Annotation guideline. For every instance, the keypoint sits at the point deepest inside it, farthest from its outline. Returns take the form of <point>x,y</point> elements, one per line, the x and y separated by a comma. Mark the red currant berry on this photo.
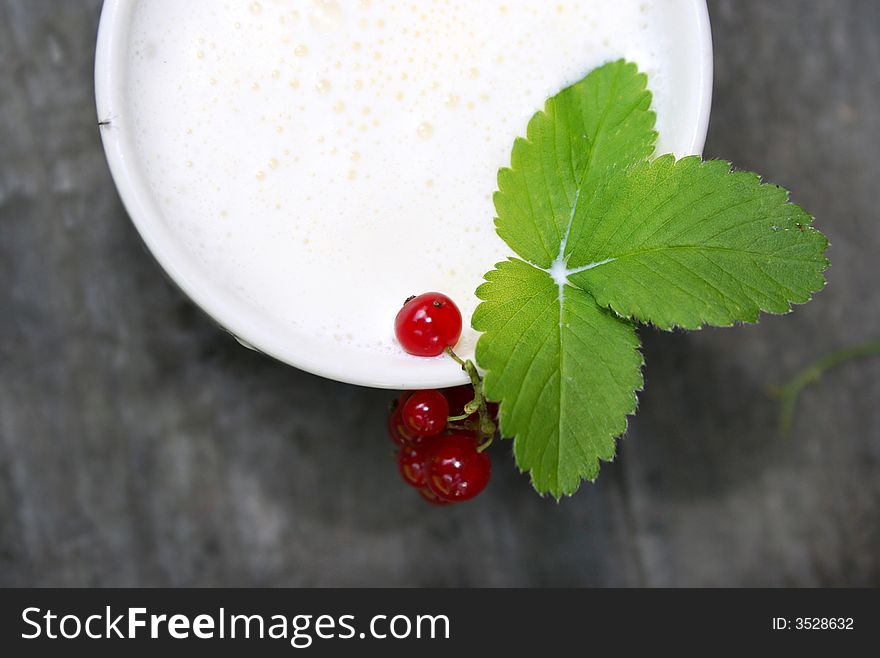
<point>428,324</point>
<point>456,471</point>
<point>432,498</point>
<point>399,433</point>
<point>411,463</point>
<point>424,413</point>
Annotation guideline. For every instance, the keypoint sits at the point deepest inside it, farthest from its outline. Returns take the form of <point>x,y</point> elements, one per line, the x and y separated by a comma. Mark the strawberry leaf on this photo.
<point>565,369</point>
<point>604,237</point>
<point>597,124</point>
<point>686,243</point>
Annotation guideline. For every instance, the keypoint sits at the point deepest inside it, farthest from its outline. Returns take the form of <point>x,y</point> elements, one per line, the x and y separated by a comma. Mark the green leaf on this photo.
<point>597,124</point>
<point>565,370</point>
<point>686,243</point>
<point>606,236</point>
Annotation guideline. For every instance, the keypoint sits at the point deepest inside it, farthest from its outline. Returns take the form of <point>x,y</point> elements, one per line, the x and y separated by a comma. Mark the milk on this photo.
<point>324,160</point>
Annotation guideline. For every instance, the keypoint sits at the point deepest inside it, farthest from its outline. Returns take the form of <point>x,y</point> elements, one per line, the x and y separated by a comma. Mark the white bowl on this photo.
<point>691,44</point>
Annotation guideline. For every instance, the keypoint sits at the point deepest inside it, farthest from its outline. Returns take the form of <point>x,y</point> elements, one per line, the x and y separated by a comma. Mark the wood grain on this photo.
<point>140,445</point>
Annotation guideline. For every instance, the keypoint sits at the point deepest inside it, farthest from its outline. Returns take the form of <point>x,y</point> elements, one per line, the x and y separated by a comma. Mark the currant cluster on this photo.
<point>445,464</point>
<point>441,435</point>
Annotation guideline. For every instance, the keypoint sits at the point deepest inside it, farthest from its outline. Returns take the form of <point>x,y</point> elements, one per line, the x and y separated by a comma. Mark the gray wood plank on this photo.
<point>140,445</point>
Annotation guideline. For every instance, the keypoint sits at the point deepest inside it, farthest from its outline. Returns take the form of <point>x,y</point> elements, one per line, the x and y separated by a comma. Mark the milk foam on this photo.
<point>324,160</point>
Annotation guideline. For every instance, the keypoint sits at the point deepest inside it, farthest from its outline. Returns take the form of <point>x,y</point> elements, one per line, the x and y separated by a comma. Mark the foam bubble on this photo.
<point>340,156</point>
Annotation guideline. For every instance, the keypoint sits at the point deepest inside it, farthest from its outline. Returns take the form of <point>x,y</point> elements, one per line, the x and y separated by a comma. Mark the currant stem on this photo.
<point>455,358</point>
<point>486,427</point>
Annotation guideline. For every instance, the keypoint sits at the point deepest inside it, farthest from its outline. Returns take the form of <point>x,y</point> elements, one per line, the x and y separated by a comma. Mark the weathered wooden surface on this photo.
<point>139,445</point>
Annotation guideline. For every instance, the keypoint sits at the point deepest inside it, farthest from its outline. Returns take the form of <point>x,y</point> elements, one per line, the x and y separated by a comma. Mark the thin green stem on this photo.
<point>456,358</point>
<point>791,390</point>
<point>486,427</point>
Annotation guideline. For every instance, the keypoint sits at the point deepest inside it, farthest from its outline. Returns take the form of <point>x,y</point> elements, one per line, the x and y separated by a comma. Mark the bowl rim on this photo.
<point>110,65</point>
